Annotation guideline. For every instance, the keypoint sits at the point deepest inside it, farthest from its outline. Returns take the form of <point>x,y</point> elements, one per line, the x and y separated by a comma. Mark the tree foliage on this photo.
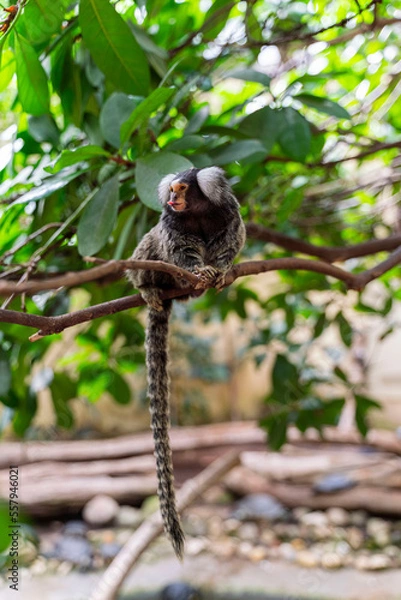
<point>298,101</point>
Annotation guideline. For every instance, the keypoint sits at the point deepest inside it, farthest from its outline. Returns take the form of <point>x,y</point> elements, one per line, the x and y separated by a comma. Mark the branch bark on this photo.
<point>51,325</point>
<point>327,253</point>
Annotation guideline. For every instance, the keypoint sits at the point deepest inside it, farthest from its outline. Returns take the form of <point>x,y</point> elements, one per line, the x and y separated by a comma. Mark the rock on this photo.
<point>75,528</point>
<point>230,526</point>
<point>64,568</point>
<point>322,532</point>
<point>379,530</point>
<point>338,516</point>
<point>196,525</point>
<point>375,525</point>
<point>180,591</point>
<point>355,538</point>
<point>195,545</point>
<point>109,550</point>
<point>74,549</point>
<point>343,548</point>
<point>258,553</point>
<point>244,548</point>
<point>358,518</point>
<point>307,559</point>
<point>375,562</point>
<point>334,482</point>
<point>215,527</point>
<point>100,510</point>
<point>128,516</point>
<point>248,531</point>
<point>392,552</point>
<point>298,544</point>
<point>39,567</point>
<point>27,552</point>
<point>224,548</point>
<point>268,537</point>
<point>331,560</point>
<point>287,552</point>
<point>315,518</point>
<point>259,506</point>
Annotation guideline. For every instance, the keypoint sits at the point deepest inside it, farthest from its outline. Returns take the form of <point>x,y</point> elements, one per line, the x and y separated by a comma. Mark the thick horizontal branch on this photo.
<point>50,325</point>
<point>327,253</point>
<point>111,267</point>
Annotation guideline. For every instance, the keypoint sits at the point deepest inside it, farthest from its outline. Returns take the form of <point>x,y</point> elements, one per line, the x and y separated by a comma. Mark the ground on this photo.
<point>267,579</point>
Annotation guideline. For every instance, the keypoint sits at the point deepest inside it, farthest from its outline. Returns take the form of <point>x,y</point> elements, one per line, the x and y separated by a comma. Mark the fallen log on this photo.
<point>46,469</point>
<point>50,496</point>
<point>372,499</point>
<point>182,438</point>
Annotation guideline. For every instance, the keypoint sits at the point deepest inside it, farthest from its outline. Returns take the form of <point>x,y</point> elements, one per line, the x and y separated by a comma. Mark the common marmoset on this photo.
<point>200,230</point>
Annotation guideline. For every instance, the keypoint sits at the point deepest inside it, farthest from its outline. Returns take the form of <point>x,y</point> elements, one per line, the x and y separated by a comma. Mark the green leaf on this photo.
<point>340,374</point>
<point>276,427</point>
<point>71,157</point>
<point>114,47</point>
<point>187,142</point>
<point>285,379</point>
<point>44,129</point>
<point>249,75</point>
<point>7,69</point>
<point>320,325</point>
<point>323,105</point>
<point>294,136</point>
<point>33,91</point>
<point>49,186</point>
<point>216,17</point>
<point>42,18</point>
<point>24,413</point>
<point>245,151</point>
<point>119,389</point>
<point>264,125</point>
<point>115,112</point>
<point>98,218</point>
<point>363,405</point>
<point>63,389</point>
<point>345,329</point>
<point>151,169</point>
<point>197,120</point>
<point>5,374</point>
<point>143,111</point>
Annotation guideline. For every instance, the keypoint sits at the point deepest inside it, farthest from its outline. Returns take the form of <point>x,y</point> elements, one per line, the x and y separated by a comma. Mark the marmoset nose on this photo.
<point>174,196</point>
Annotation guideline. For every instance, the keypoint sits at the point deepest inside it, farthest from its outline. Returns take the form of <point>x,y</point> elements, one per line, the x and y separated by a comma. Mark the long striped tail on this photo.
<point>158,392</point>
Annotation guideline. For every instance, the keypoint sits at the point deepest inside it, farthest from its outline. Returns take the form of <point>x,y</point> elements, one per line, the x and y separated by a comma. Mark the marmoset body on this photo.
<point>200,230</point>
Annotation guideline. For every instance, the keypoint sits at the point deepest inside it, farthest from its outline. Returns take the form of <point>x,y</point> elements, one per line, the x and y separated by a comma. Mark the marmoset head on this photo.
<point>190,190</point>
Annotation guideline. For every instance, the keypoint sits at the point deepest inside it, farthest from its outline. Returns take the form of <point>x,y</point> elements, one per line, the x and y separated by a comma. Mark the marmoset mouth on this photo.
<point>177,206</point>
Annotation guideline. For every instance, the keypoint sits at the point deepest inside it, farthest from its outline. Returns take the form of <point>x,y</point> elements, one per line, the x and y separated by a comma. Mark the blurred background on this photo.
<point>300,376</point>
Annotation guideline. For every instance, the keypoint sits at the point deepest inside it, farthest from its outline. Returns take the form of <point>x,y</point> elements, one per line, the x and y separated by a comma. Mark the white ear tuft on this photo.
<point>164,188</point>
<point>210,181</point>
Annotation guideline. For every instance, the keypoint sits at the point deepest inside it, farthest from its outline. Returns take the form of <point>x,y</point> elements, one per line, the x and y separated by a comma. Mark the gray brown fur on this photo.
<point>204,239</point>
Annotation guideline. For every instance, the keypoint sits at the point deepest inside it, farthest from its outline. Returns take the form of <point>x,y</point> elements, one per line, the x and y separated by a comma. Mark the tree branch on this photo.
<point>327,253</point>
<point>51,325</point>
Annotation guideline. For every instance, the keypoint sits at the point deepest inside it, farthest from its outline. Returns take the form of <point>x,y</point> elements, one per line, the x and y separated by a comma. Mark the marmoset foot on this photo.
<point>206,275</point>
<point>152,298</point>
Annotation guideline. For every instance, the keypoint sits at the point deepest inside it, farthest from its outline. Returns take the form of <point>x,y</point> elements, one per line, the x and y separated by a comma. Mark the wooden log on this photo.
<point>373,499</point>
<point>182,438</point>
<point>280,467</point>
<point>45,469</point>
<point>49,496</point>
